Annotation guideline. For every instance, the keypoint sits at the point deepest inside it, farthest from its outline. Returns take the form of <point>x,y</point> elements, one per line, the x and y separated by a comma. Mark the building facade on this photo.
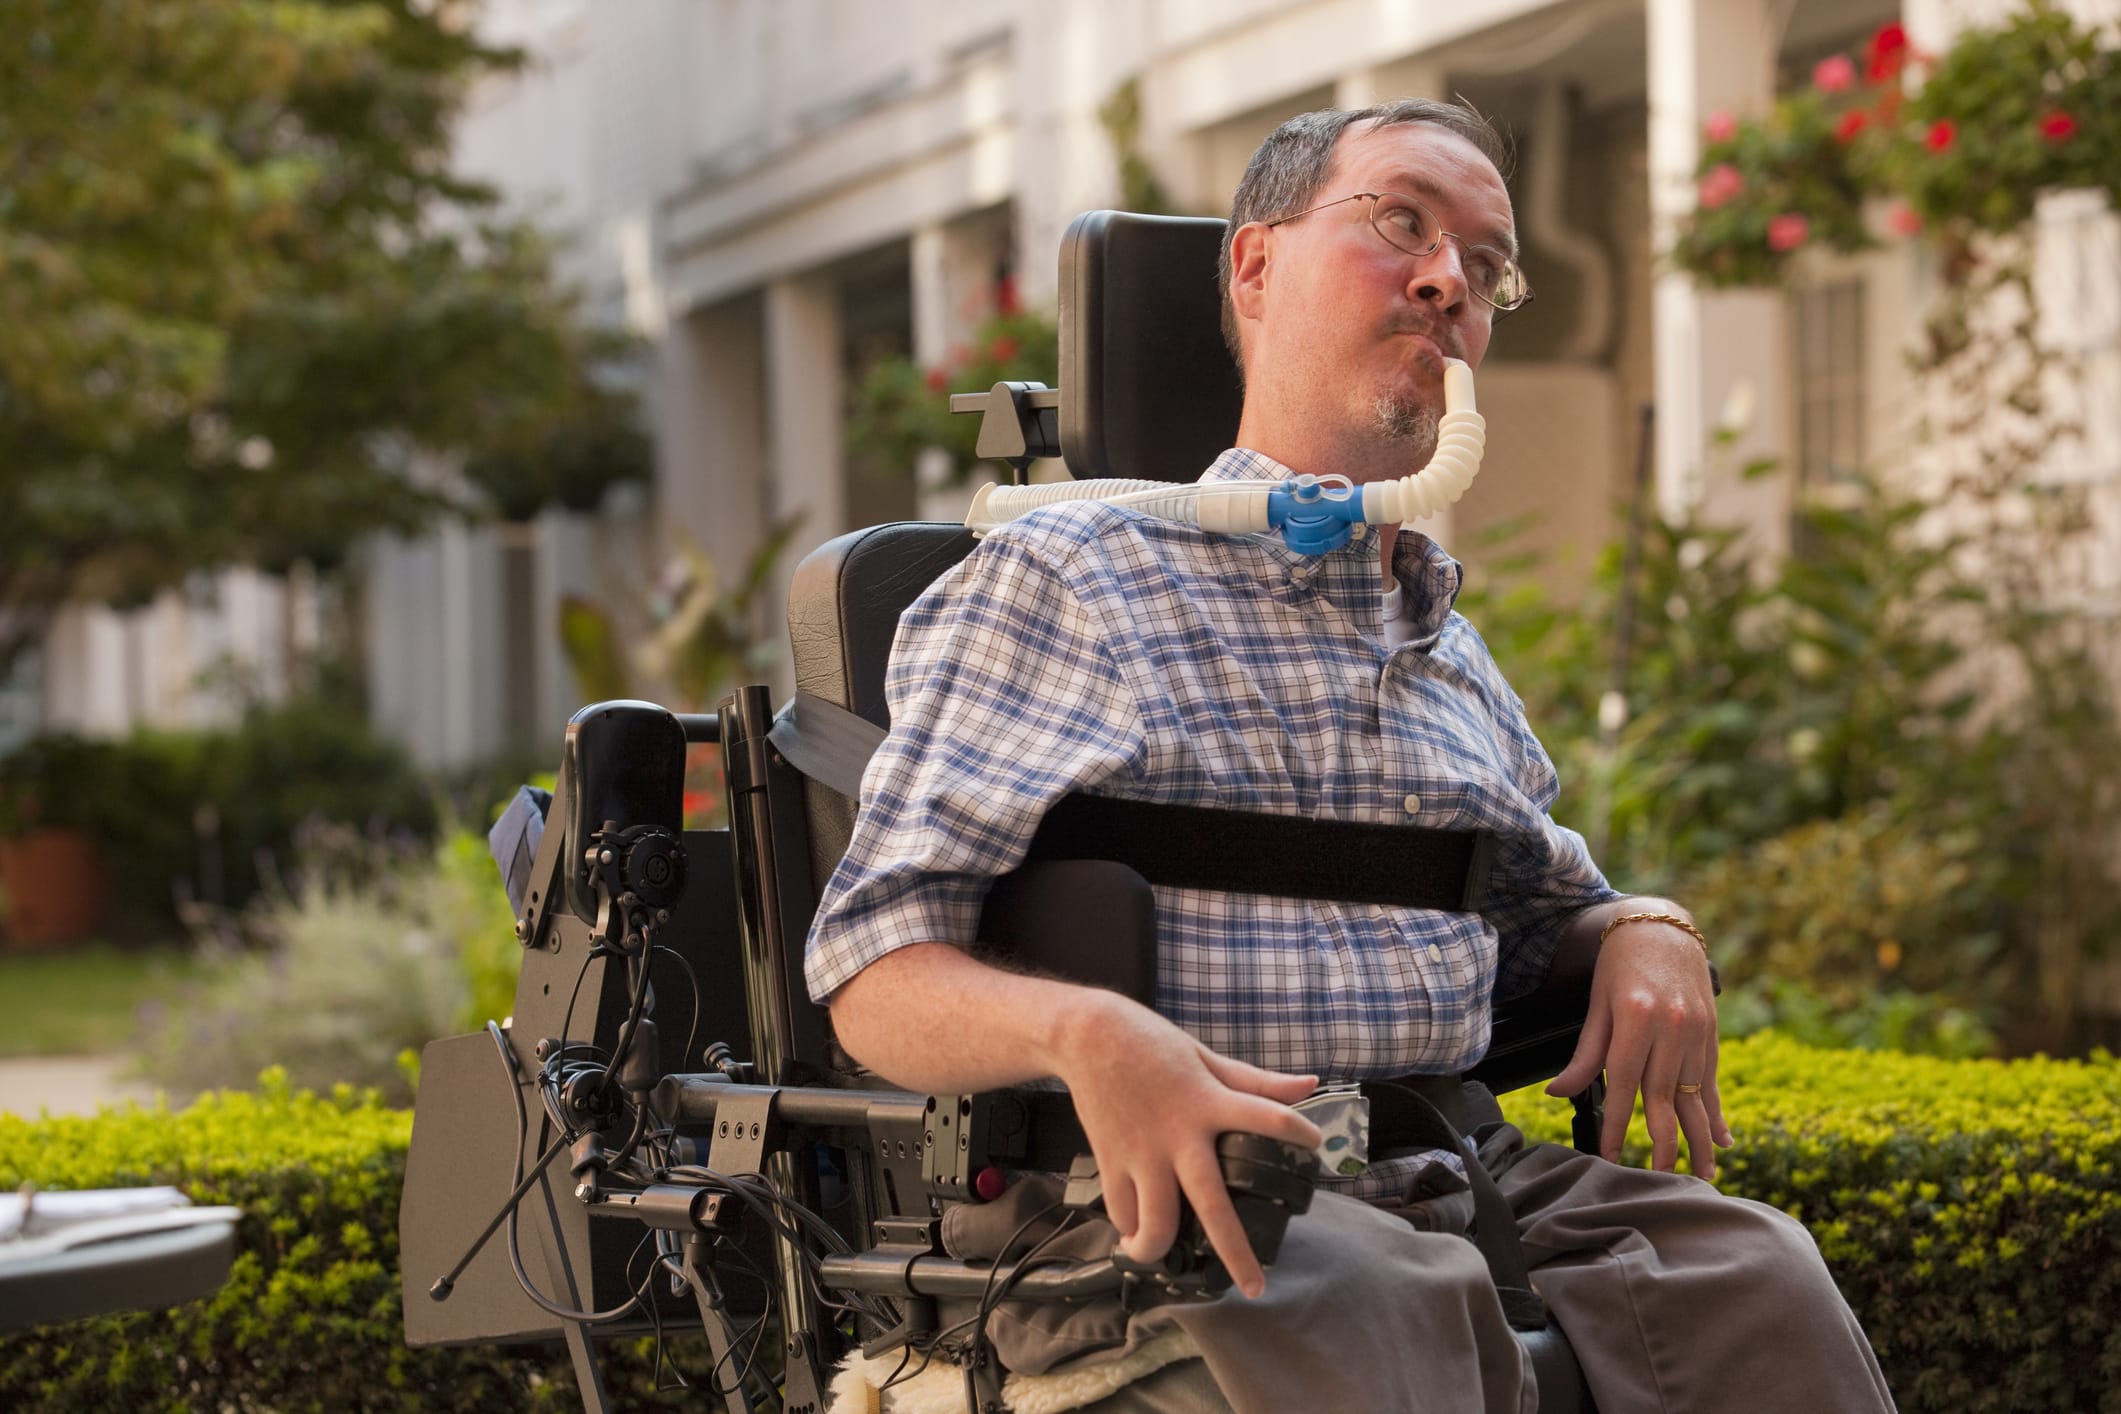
<point>773,192</point>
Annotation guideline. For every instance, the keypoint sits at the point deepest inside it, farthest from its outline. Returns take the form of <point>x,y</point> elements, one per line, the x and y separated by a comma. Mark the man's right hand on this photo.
<point>1151,1099</point>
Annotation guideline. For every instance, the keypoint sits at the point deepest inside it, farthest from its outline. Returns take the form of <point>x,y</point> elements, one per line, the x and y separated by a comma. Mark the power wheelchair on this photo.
<point>769,1152</point>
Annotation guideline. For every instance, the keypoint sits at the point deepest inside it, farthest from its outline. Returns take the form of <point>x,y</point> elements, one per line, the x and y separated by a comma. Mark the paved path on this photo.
<point>65,1085</point>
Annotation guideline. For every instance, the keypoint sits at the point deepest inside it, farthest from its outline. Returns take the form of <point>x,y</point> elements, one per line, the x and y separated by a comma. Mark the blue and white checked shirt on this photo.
<point>1091,648</point>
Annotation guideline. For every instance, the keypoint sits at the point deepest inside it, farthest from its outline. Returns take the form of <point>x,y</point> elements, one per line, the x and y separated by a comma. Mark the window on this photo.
<point>1829,387</point>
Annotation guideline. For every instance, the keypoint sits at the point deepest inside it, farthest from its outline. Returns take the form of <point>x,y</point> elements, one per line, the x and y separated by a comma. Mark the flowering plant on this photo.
<point>1961,144</point>
<point>899,408</point>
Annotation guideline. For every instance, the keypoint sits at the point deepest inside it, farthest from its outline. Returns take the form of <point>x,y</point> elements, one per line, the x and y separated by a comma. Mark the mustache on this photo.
<point>1447,338</point>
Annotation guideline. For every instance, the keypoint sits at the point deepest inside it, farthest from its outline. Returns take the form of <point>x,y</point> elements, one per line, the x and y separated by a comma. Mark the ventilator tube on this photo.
<point>1314,514</point>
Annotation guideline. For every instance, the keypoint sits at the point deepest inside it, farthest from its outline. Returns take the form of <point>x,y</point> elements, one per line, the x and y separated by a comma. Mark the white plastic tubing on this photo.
<point>1240,507</point>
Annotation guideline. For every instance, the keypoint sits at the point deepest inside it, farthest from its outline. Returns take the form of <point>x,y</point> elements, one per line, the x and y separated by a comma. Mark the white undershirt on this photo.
<point>1399,624</point>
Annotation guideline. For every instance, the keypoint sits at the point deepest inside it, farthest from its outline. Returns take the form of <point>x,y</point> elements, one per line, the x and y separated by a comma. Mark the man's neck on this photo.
<point>1387,542</point>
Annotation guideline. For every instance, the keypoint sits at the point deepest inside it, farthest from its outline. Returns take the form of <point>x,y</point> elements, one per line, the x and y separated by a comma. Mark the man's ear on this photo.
<point>1248,269</point>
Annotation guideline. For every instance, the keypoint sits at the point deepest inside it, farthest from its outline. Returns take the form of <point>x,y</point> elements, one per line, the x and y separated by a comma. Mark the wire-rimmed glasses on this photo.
<point>1407,225</point>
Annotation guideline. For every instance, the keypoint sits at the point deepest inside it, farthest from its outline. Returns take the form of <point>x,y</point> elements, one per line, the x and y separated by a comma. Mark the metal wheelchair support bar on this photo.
<point>889,1274</point>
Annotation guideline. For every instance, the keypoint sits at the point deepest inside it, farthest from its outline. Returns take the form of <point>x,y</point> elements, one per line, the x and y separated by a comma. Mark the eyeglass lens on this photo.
<point>1408,225</point>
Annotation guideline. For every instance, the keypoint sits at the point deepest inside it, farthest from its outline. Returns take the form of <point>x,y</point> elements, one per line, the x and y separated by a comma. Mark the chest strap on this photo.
<point>1192,846</point>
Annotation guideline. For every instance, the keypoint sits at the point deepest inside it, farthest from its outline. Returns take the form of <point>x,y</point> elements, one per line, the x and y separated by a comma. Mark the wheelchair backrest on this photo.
<point>1148,389</point>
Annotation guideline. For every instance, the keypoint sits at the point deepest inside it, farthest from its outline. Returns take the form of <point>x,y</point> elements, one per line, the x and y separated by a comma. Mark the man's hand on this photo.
<point>1151,1098</point>
<point>1652,1028</point>
<point>1152,1101</point>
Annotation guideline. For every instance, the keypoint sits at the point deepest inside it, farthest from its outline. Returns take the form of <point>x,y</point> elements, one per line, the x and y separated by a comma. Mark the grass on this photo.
<point>82,1001</point>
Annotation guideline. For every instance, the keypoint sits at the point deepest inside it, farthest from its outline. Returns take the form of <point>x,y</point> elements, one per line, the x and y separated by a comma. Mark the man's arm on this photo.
<point>1151,1099</point>
<point>1651,1027</point>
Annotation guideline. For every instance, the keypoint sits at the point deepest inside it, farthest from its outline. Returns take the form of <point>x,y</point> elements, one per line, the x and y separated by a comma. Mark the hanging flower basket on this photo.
<point>1956,145</point>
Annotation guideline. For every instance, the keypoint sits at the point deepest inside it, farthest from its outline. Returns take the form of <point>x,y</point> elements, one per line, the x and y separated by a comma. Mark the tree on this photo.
<point>246,310</point>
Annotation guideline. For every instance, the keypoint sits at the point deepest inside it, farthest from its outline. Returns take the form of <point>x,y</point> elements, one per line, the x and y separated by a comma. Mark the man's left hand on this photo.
<point>1652,1028</point>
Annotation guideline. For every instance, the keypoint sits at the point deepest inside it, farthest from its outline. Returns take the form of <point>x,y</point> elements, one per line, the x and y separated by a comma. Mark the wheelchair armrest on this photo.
<point>1534,1035</point>
<point>1086,920</point>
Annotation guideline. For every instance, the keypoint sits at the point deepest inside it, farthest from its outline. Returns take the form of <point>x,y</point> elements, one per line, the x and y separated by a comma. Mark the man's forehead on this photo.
<point>1430,162</point>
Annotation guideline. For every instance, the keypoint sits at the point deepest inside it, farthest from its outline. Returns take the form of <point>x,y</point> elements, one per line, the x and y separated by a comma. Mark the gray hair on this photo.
<point>1286,173</point>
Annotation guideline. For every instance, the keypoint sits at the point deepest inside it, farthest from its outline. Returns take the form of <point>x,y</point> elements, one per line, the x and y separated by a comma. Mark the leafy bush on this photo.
<point>210,815</point>
<point>1970,1210</point>
<point>363,958</point>
<point>898,409</point>
<point>310,1318</point>
<point>1801,756</point>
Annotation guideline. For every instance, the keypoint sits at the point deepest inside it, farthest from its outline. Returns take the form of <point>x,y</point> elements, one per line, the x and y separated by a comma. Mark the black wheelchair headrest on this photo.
<point>1148,389</point>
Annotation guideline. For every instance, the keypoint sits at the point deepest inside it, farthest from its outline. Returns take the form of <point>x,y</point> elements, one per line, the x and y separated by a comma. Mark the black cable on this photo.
<point>692,1032</point>
<point>515,1253</point>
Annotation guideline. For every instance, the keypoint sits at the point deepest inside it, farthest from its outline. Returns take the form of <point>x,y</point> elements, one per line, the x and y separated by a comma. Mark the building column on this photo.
<point>951,266</point>
<point>1709,56</point>
<point>803,395</point>
<point>806,458</point>
<point>711,440</point>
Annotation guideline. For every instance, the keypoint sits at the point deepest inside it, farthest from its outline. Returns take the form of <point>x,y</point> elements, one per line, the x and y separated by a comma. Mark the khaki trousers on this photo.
<point>1675,1298</point>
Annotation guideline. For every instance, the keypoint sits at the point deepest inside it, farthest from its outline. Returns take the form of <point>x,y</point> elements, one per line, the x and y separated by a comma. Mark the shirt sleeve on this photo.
<point>1003,698</point>
<point>1542,874</point>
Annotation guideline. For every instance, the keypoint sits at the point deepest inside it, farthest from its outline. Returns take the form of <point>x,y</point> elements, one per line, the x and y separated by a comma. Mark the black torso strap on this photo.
<point>1190,846</point>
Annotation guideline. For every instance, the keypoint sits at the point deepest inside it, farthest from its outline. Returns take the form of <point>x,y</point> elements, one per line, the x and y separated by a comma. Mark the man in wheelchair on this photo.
<point>1091,649</point>
<point>1271,796</point>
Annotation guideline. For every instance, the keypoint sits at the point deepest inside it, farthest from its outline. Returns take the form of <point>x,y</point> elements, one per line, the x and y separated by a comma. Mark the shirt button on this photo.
<point>1413,804</point>
<point>1435,953</point>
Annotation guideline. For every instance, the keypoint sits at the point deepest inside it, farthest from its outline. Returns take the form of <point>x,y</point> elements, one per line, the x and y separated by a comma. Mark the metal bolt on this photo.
<point>522,929</point>
<point>585,1192</point>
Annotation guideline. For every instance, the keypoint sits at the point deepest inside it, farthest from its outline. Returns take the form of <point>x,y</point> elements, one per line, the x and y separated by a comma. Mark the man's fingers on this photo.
<point>1120,1203</point>
<point>1156,1218</point>
<point>1257,1080</point>
<point>1694,1119</point>
<point>1712,1100</point>
<point>1202,1177</point>
<point>1589,1059</point>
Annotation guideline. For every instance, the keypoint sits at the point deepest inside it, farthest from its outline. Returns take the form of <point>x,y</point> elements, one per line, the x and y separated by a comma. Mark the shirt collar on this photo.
<point>1348,577</point>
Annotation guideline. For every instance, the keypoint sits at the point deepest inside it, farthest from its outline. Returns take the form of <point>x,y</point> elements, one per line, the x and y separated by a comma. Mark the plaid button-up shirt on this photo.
<point>1091,648</point>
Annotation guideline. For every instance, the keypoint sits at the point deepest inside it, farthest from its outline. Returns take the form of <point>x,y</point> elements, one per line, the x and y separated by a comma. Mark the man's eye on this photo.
<point>1406,219</point>
<point>1486,270</point>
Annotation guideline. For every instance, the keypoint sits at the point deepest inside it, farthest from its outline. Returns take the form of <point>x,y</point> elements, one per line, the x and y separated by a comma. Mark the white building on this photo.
<point>772,190</point>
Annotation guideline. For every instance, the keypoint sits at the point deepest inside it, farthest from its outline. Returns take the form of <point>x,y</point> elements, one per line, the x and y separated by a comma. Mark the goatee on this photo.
<point>1407,420</point>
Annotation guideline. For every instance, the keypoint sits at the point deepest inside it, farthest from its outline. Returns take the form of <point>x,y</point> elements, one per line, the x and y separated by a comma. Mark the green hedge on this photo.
<point>310,1318</point>
<point>1971,1210</point>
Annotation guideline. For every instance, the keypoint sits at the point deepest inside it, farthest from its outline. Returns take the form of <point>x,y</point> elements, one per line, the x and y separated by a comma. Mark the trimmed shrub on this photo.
<point>1971,1210</point>
<point>310,1318</point>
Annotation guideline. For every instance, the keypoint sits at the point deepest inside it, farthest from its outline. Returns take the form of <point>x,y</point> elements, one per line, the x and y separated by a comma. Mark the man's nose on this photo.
<point>1439,278</point>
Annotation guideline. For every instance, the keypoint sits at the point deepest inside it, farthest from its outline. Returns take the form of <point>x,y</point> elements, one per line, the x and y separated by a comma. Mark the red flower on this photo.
<point>1904,221</point>
<point>1941,135</point>
<point>1887,53</point>
<point>1002,349</point>
<point>695,802</point>
<point>1852,122</point>
<point>1836,74</point>
<point>1722,183</point>
<point>938,380</point>
<point>2057,126</point>
<point>1788,231</point>
<point>1005,300</point>
<point>1721,127</point>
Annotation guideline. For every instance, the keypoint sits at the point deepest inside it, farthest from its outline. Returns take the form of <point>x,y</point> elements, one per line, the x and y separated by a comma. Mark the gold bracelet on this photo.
<point>1672,918</point>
